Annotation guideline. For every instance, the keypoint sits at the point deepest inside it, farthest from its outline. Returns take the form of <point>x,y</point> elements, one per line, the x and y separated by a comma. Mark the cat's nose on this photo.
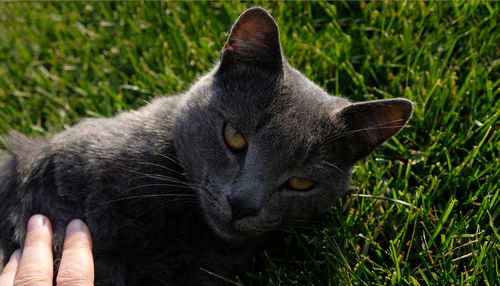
<point>241,207</point>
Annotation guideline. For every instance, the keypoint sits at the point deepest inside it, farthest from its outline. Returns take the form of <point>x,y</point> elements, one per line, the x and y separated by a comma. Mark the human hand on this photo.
<point>35,265</point>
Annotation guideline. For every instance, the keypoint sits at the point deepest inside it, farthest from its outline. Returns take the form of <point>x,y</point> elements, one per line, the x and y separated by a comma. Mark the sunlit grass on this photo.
<point>425,207</point>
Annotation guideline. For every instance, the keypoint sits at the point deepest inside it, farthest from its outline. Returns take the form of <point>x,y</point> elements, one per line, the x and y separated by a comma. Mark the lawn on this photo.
<point>425,207</point>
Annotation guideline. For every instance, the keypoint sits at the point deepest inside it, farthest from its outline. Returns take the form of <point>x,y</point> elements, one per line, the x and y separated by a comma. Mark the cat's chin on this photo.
<point>228,230</point>
<point>235,231</point>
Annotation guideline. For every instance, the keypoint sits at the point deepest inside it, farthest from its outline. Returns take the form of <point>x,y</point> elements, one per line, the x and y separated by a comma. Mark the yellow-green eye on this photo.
<point>299,184</point>
<point>233,138</point>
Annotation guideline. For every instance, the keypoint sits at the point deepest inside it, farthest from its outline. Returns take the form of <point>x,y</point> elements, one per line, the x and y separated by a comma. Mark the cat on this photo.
<point>194,183</point>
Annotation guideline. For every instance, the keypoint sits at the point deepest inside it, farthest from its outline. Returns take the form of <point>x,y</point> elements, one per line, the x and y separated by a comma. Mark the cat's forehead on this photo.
<point>292,99</point>
<point>256,88</point>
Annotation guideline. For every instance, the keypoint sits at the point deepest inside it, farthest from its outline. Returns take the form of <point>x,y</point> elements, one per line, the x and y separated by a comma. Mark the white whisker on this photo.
<point>158,185</point>
<point>163,167</point>
<point>177,196</point>
<point>172,160</point>
<point>160,177</point>
<point>375,127</point>
<point>336,167</point>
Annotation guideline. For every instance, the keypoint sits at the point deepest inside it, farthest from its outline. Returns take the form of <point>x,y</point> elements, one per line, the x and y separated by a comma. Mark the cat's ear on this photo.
<point>254,39</point>
<point>371,123</point>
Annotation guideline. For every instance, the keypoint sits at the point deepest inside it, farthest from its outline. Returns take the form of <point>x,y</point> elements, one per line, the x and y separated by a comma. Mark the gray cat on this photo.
<point>193,183</point>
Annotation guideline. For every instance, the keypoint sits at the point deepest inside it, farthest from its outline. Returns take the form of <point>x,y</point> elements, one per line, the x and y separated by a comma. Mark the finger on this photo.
<point>9,272</point>
<point>36,265</point>
<point>77,265</point>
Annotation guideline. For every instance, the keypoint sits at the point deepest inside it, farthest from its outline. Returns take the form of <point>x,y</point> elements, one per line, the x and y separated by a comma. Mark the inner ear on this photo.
<point>371,123</point>
<point>254,39</point>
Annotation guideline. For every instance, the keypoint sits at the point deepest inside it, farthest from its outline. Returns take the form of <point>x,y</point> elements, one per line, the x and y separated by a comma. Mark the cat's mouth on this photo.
<point>240,229</point>
<point>253,229</point>
<point>230,229</point>
<point>219,216</point>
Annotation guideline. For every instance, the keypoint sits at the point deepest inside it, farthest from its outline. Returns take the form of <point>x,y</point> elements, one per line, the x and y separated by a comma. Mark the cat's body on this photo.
<point>167,198</point>
<point>86,171</point>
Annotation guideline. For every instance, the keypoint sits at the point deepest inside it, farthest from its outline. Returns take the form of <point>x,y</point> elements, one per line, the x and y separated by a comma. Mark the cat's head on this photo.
<point>264,144</point>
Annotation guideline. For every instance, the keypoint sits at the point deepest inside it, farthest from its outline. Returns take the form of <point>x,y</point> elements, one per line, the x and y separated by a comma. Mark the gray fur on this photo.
<point>153,184</point>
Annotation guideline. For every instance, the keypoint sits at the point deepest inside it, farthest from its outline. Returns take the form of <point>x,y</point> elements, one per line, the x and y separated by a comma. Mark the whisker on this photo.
<point>375,127</point>
<point>336,167</point>
<point>172,160</point>
<point>183,196</point>
<point>344,134</point>
<point>157,185</point>
<point>163,167</point>
<point>159,177</point>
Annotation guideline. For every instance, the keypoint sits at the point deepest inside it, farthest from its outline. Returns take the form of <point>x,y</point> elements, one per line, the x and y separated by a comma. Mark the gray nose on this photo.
<point>241,207</point>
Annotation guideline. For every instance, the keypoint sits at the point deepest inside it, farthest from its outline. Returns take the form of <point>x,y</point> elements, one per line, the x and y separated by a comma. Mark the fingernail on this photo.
<point>37,221</point>
<point>74,226</point>
<point>16,255</point>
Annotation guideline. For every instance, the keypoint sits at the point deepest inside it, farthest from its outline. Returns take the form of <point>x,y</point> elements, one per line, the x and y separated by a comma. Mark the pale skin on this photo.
<point>34,266</point>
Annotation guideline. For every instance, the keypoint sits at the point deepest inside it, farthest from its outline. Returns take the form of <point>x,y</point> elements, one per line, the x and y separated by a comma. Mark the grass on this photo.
<point>425,207</point>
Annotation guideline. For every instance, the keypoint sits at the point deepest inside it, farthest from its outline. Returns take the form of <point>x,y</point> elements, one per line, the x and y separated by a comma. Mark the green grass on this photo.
<point>425,207</point>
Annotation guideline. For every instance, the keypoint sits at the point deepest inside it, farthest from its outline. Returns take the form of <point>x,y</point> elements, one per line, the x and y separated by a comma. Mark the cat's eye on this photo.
<point>233,138</point>
<point>299,184</point>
